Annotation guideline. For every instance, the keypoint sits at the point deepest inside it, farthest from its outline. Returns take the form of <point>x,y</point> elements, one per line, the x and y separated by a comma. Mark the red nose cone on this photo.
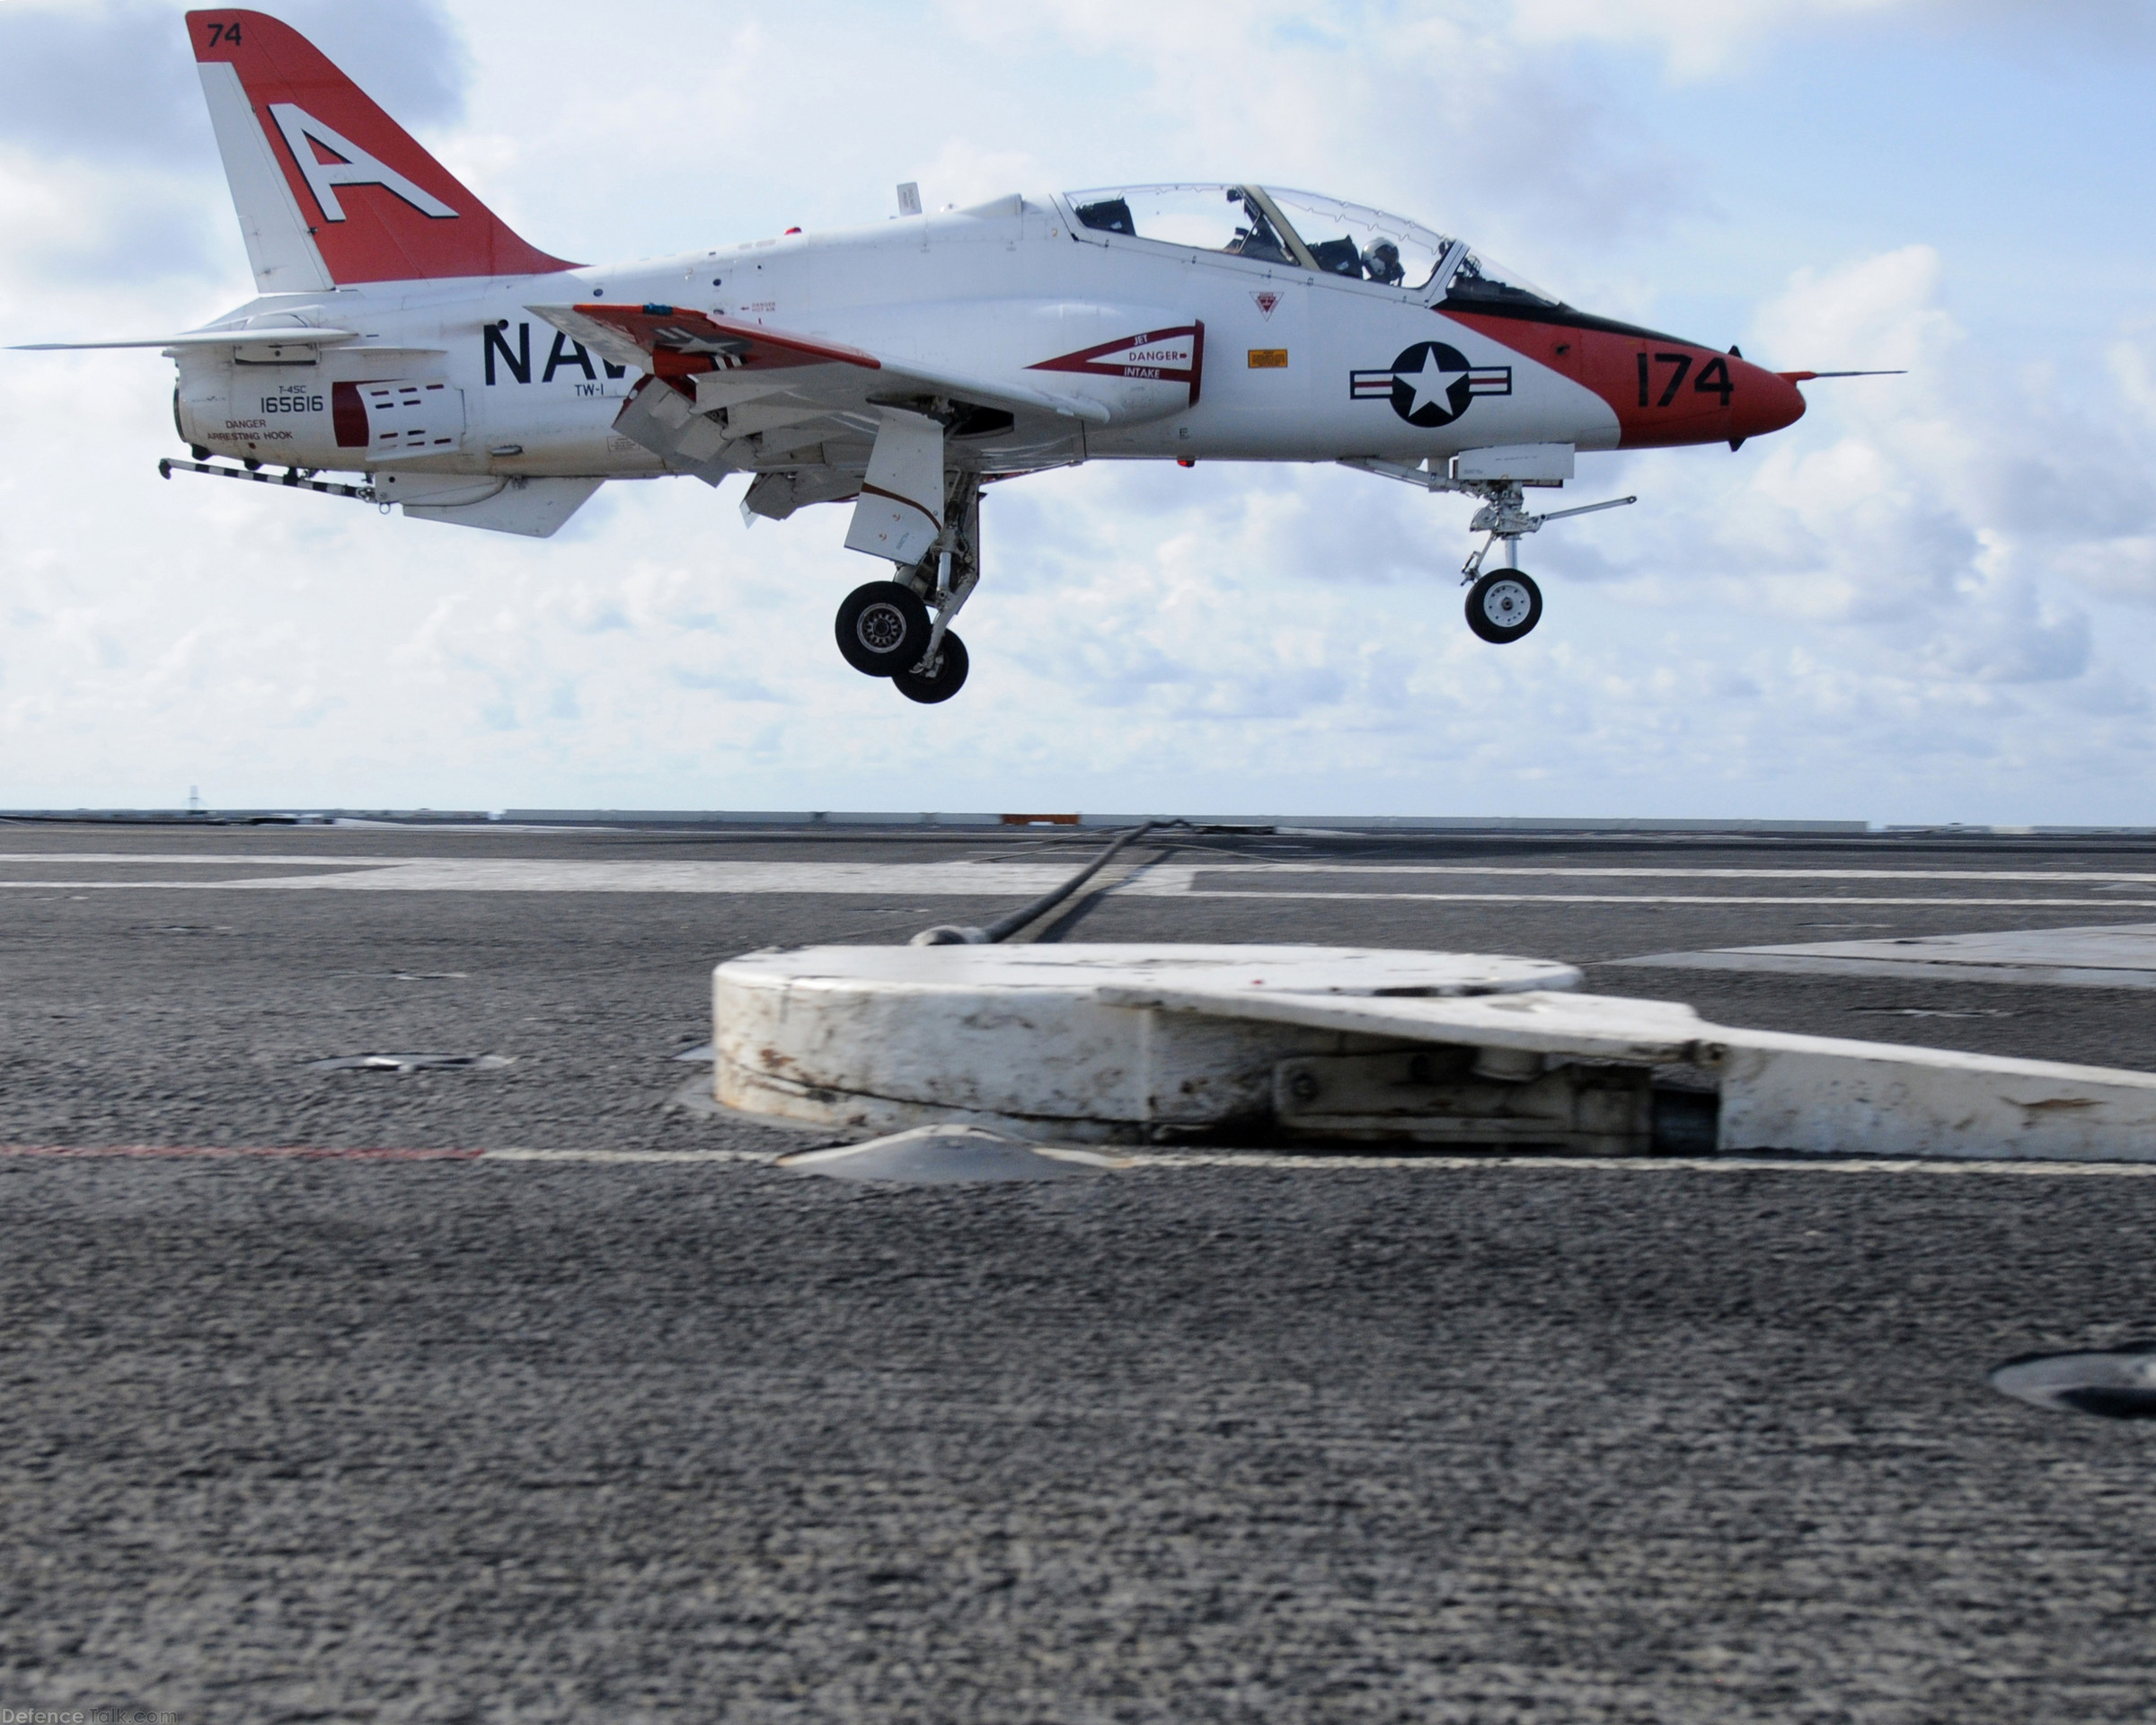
<point>1762,402</point>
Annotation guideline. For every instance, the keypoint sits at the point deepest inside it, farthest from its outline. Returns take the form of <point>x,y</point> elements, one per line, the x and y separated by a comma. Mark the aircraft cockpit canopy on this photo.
<point>1355,241</point>
<point>1304,230</point>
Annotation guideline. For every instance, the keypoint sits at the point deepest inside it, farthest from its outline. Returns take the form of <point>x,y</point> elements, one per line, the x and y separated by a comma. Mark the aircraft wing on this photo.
<point>724,395</point>
<point>755,372</point>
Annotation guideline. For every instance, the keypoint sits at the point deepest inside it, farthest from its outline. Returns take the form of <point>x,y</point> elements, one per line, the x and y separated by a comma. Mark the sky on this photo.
<point>1931,600</point>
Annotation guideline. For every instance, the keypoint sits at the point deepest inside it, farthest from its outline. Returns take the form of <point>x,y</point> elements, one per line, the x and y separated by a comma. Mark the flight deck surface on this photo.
<point>514,1387</point>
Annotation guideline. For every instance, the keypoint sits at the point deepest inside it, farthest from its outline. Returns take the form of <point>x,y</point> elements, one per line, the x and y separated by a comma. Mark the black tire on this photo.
<point>882,628</point>
<point>949,677</point>
<point>1503,605</point>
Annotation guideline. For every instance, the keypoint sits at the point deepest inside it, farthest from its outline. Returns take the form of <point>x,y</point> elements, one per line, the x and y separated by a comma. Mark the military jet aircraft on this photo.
<point>401,333</point>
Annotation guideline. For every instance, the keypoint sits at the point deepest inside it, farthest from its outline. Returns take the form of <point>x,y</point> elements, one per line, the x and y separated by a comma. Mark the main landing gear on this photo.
<point>901,628</point>
<point>1503,603</point>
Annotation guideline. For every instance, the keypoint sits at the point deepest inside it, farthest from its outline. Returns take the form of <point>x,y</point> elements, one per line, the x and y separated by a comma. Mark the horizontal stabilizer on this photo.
<point>287,338</point>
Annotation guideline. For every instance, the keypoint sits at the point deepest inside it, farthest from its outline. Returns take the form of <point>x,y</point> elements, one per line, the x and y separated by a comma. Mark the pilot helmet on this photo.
<point>1381,261</point>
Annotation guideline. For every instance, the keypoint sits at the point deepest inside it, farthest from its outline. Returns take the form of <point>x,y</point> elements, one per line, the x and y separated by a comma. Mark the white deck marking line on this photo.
<point>897,881</point>
<point>1179,868</point>
<point>979,889</point>
<point>2111,955</point>
<point>222,859</point>
<point>972,889</point>
<point>2075,875</point>
<point>1009,881</point>
<point>296,1153</point>
<point>1637,1165</point>
<point>1815,899</point>
<point>2022,974</point>
<point>140,886</point>
<point>219,860</point>
<point>1166,1161</point>
<point>630,1155</point>
<point>59,882</point>
<point>304,1153</point>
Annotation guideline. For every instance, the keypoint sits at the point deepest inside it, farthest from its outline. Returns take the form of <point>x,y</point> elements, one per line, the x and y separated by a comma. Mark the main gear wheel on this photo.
<point>947,679</point>
<point>882,628</point>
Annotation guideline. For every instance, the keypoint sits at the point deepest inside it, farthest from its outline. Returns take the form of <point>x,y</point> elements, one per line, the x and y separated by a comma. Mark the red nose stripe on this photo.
<point>1767,402</point>
<point>1663,391</point>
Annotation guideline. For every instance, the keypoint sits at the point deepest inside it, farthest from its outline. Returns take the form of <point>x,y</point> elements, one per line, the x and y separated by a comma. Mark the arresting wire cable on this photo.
<point>1005,927</point>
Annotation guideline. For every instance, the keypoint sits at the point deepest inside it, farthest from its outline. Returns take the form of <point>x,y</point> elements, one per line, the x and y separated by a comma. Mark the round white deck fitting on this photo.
<point>1051,1041</point>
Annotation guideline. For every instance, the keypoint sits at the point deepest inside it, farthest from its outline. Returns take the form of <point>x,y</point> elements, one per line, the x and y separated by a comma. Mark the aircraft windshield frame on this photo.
<point>1306,230</point>
<point>1466,276</point>
<point>1481,283</point>
<point>1245,220</point>
<point>1378,246</point>
<point>1199,216</point>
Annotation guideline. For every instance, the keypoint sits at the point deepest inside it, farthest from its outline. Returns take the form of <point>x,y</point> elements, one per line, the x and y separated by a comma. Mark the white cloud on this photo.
<point>1696,37</point>
<point>71,224</point>
<point>1702,38</point>
<point>1881,313</point>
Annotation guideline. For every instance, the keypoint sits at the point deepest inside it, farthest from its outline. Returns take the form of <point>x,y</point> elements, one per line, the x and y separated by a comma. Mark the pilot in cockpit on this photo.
<point>1380,263</point>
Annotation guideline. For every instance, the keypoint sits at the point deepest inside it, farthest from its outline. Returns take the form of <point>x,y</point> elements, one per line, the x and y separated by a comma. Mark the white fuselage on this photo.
<point>988,293</point>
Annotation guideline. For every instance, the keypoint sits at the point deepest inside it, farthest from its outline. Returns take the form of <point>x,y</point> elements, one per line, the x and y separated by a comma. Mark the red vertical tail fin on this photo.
<point>329,189</point>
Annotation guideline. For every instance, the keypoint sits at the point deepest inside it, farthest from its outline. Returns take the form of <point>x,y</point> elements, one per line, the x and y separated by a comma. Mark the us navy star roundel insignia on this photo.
<point>1430,384</point>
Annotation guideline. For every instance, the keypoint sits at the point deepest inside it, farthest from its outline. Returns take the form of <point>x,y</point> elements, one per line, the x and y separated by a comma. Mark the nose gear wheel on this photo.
<point>1503,605</point>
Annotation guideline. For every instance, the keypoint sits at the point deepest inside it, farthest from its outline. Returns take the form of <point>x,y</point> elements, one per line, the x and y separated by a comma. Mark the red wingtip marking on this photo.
<point>661,331</point>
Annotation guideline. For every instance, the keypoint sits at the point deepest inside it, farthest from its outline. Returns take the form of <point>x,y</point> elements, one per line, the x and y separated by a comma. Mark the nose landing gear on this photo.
<point>1503,605</point>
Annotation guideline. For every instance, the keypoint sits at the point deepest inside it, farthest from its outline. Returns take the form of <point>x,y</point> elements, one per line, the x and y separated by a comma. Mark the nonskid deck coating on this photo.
<point>584,1410</point>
